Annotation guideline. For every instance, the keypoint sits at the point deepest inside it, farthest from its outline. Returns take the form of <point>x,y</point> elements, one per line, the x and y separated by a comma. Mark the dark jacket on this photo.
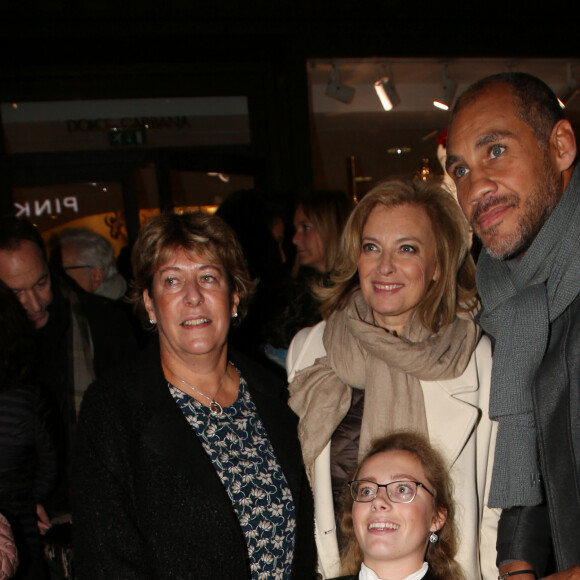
<point>28,467</point>
<point>540,535</point>
<point>147,501</point>
<point>113,342</point>
<point>112,337</point>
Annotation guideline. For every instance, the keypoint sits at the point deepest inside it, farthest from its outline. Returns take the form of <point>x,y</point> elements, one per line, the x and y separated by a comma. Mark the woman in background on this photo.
<point>399,350</point>
<point>319,219</point>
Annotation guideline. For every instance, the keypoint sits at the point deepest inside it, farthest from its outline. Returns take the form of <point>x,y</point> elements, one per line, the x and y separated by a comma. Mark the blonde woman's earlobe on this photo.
<point>439,520</point>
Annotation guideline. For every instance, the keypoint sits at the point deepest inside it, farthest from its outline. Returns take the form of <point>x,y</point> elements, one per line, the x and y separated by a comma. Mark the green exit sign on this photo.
<point>127,137</point>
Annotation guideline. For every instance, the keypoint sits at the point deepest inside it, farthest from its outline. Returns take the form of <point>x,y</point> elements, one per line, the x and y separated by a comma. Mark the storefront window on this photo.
<point>75,205</point>
<point>125,123</point>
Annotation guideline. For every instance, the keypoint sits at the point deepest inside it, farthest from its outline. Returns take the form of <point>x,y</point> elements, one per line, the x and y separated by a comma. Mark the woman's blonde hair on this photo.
<point>328,211</point>
<point>198,234</point>
<point>441,554</point>
<point>453,291</point>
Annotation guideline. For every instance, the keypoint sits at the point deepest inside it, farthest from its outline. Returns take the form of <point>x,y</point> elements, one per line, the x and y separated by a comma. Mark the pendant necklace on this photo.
<point>215,408</point>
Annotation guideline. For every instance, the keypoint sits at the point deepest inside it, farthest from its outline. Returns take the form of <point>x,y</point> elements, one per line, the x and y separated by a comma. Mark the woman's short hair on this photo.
<point>453,291</point>
<point>441,554</point>
<point>328,211</point>
<point>199,234</point>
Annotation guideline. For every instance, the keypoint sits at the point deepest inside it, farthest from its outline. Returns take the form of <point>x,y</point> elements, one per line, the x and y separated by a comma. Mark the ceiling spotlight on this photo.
<point>336,90</point>
<point>387,93</point>
<point>572,92</point>
<point>448,89</point>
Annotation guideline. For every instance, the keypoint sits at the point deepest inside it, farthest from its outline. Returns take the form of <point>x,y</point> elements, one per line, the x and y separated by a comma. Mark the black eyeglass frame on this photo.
<point>386,486</point>
<point>67,268</point>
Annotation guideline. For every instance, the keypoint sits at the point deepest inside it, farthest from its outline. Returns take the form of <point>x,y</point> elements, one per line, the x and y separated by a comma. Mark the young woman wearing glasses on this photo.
<point>399,516</point>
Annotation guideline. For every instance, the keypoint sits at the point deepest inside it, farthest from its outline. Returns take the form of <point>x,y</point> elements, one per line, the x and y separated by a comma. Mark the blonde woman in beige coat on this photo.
<point>399,336</point>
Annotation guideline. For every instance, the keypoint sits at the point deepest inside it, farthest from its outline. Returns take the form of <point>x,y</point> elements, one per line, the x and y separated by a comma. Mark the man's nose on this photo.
<point>30,301</point>
<point>478,186</point>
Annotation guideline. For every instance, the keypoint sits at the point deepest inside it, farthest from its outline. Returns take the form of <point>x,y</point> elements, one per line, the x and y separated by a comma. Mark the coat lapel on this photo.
<point>452,411</point>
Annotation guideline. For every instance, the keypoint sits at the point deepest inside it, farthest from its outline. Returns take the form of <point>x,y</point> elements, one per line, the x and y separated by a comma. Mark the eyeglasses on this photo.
<point>397,491</point>
<point>66,268</point>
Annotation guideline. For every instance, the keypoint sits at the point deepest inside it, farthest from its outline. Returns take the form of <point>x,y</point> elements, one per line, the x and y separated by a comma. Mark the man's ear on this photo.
<point>563,145</point>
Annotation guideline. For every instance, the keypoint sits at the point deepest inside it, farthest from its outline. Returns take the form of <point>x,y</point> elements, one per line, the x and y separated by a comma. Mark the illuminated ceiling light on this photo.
<point>336,90</point>
<point>387,93</point>
<point>572,91</point>
<point>398,150</point>
<point>221,176</point>
<point>448,88</point>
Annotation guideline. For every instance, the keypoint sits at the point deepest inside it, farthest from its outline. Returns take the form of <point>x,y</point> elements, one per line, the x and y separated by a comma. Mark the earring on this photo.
<point>235,314</point>
<point>433,537</point>
<point>152,322</point>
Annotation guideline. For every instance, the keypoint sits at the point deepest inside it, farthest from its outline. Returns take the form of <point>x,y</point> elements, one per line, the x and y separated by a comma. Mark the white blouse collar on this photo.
<point>367,574</point>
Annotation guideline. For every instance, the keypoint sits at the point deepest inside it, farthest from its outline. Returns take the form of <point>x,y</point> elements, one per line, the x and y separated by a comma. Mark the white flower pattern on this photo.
<point>241,452</point>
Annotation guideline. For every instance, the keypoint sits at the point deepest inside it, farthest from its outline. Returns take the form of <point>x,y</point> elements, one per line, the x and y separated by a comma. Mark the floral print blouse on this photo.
<point>238,446</point>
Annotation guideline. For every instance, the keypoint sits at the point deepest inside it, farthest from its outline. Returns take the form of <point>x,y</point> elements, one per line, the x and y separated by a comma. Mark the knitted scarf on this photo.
<point>521,297</point>
<point>364,356</point>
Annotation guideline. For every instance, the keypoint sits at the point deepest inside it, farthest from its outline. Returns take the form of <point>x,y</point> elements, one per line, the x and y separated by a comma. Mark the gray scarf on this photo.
<point>521,298</point>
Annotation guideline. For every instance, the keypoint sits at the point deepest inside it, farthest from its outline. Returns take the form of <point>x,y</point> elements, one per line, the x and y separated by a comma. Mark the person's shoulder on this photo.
<point>258,376</point>
<point>125,390</point>
<point>94,303</point>
<point>144,366</point>
<point>309,334</point>
<point>305,348</point>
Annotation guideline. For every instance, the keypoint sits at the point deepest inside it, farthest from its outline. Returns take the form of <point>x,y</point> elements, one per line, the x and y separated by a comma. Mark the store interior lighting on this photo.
<point>336,90</point>
<point>448,88</point>
<point>387,93</point>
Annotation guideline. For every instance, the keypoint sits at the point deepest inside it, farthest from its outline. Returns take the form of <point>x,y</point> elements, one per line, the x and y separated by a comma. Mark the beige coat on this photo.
<point>459,425</point>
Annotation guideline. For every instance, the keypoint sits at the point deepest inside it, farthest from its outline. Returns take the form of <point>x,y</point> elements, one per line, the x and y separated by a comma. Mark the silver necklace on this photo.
<point>214,407</point>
